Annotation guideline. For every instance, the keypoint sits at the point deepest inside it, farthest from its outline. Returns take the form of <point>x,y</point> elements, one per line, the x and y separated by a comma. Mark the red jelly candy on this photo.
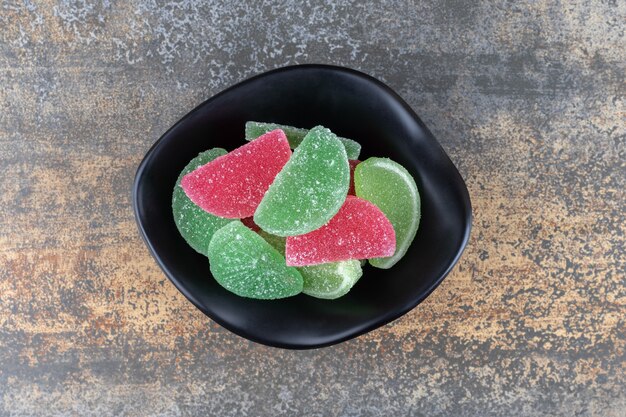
<point>233,185</point>
<point>353,163</point>
<point>250,224</point>
<point>358,231</point>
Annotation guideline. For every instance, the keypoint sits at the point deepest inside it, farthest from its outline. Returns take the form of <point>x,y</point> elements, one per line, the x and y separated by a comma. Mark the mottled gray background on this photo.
<point>527,99</point>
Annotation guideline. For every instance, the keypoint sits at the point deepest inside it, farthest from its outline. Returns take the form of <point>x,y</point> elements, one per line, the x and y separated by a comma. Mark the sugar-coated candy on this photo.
<point>391,188</point>
<point>309,190</point>
<point>277,242</point>
<point>353,163</point>
<point>328,281</point>
<point>232,185</point>
<point>195,225</point>
<point>358,231</point>
<point>244,263</point>
<point>296,135</point>
<point>331,280</point>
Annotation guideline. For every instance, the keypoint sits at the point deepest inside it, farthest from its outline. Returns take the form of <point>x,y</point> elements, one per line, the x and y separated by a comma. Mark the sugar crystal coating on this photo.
<point>244,263</point>
<point>296,135</point>
<point>390,186</point>
<point>332,280</point>
<point>232,185</point>
<point>328,281</point>
<point>277,242</point>
<point>309,190</point>
<point>358,231</point>
<point>195,225</point>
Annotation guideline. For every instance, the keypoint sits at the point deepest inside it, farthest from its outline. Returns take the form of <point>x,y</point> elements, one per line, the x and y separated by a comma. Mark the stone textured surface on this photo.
<point>528,100</point>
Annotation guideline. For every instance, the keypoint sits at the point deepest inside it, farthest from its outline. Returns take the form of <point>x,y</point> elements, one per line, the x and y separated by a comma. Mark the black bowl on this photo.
<point>352,105</point>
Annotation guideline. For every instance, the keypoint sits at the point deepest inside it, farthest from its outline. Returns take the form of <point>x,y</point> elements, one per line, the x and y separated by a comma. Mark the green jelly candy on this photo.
<point>389,186</point>
<point>295,136</point>
<point>310,188</point>
<point>244,263</point>
<point>329,281</point>
<point>194,224</point>
<point>277,242</point>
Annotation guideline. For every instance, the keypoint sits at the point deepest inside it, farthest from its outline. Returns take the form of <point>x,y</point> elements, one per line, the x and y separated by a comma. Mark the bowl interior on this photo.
<point>352,105</point>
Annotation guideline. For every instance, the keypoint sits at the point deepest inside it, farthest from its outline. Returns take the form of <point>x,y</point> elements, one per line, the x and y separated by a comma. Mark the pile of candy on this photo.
<point>275,223</point>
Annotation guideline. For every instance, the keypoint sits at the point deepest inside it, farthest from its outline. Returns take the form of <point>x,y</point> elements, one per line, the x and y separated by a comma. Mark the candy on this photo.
<point>358,231</point>
<point>195,225</point>
<point>392,189</point>
<point>309,190</point>
<point>329,281</point>
<point>353,163</point>
<point>277,242</point>
<point>250,224</point>
<point>296,135</point>
<point>245,264</point>
<point>332,280</point>
<point>232,185</point>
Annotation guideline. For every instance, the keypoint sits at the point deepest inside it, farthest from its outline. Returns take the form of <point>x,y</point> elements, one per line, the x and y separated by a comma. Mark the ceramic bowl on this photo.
<point>353,105</point>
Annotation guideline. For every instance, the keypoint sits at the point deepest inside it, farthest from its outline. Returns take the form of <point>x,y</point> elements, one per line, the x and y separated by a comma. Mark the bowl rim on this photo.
<point>384,319</point>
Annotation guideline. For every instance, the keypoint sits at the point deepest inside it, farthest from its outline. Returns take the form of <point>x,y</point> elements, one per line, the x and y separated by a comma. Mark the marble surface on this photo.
<point>526,98</point>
